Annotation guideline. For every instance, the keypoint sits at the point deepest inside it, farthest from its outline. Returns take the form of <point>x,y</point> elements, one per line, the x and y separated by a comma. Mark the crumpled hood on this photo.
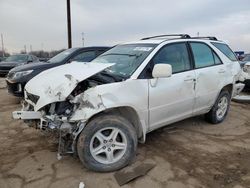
<point>57,83</point>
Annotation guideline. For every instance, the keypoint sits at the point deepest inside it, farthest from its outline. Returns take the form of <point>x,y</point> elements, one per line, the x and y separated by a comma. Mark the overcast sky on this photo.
<point>42,23</point>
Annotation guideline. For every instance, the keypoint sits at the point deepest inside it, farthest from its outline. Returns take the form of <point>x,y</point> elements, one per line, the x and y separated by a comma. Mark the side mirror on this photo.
<point>29,61</point>
<point>162,71</point>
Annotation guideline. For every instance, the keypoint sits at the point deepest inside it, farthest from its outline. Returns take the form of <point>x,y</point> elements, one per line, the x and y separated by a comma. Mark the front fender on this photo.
<point>92,102</point>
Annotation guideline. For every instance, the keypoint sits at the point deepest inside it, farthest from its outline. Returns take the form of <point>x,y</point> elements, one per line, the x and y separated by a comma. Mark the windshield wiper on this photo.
<point>114,76</point>
<point>130,55</point>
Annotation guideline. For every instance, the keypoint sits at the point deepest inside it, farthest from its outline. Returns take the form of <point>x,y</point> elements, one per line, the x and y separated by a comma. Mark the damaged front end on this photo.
<point>56,113</point>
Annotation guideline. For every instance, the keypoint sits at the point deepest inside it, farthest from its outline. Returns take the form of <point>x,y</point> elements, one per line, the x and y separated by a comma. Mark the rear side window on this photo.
<point>175,55</point>
<point>204,55</point>
<point>225,50</point>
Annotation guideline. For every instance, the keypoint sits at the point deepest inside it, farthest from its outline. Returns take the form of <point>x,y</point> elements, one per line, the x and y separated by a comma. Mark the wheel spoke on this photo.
<point>219,112</point>
<point>224,107</point>
<point>225,101</point>
<point>119,146</point>
<point>100,137</point>
<point>114,134</point>
<point>110,156</point>
<point>98,150</point>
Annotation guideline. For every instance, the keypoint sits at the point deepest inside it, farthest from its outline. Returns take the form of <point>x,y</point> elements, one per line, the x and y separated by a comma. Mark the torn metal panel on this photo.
<point>113,95</point>
<point>57,83</point>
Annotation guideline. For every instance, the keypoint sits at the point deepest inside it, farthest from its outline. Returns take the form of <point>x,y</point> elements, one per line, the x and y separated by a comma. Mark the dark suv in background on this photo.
<point>16,60</point>
<point>19,76</point>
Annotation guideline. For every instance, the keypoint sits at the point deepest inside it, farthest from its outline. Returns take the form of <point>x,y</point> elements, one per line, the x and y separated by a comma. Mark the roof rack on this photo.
<point>210,38</point>
<point>183,36</point>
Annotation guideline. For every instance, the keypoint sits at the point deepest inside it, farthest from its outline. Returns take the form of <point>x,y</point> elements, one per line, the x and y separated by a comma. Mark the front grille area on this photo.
<point>32,97</point>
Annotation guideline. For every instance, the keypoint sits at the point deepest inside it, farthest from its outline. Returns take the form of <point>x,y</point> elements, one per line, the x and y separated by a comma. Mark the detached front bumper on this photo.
<point>238,88</point>
<point>26,115</point>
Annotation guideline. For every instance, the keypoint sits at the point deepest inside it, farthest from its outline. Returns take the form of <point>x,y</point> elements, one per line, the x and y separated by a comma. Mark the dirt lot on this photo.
<point>194,154</point>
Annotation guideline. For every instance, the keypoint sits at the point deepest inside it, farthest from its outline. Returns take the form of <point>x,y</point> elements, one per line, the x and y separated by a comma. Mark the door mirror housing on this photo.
<point>162,71</point>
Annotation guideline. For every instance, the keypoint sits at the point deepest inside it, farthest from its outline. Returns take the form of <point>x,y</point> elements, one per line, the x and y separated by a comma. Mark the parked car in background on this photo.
<point>19,76</point>
<point>16,60</point>
<point>245,66</point>
<point>103,108</point>
<point>2,59</point>
<point>43,59</point>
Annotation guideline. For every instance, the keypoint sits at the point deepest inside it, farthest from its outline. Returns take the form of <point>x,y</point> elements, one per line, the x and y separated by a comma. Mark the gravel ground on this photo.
<point>192,153</point>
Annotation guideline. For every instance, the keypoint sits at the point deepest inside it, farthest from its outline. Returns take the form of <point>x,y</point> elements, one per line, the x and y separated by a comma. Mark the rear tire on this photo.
<point>107,143</point>
<point>220,109</point>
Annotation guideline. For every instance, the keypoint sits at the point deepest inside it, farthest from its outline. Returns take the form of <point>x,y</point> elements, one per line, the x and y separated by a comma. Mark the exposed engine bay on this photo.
<point>55,116</point>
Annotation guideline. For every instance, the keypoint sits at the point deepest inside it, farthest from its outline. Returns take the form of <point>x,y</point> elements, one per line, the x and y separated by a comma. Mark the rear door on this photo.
<point>210,75</point>
<point>172,98</point>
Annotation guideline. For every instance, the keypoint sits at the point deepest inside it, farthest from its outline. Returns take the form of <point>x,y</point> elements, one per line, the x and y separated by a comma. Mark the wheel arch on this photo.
<point>229,88</point>
<point>128,113</point>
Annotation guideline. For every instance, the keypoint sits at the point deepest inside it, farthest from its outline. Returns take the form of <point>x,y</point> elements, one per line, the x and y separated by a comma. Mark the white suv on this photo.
<point>103,108</point>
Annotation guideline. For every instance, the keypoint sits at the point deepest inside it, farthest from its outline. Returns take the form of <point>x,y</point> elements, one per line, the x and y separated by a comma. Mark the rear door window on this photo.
<point>204,55</point>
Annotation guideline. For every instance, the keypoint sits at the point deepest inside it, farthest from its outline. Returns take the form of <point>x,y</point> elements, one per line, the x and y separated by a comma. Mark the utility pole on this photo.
<point>83,39</point>
<point>30,48</point>
<point>25,49</point>
<point>2,45</point>
<point>69,24</point>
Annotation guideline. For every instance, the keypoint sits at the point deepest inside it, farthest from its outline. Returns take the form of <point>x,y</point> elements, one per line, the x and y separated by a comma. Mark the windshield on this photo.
<point>247,58</point>
<point>127,58</point>
<point>17,58</point>
<point>62,56</point>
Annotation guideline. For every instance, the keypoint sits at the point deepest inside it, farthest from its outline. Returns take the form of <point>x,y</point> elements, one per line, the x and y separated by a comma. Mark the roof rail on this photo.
<point>210,38</point>
<point>183,36</point>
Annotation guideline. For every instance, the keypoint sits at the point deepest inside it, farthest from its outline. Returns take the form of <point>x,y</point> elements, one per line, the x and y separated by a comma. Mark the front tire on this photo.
<point>220,109</point>
<point>107,143</point>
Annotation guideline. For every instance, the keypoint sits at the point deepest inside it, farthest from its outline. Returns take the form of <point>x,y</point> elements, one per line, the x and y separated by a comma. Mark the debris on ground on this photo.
<point>130,173</point>
<point>81,185</point>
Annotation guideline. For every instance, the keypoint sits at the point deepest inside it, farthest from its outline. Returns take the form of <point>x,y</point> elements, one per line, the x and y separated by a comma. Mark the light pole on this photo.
<point>83,39</point>
<point>69,24</point>
<point>2,45</point>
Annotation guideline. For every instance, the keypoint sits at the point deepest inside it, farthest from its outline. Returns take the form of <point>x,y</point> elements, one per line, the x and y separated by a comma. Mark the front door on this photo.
<point>172,99</point>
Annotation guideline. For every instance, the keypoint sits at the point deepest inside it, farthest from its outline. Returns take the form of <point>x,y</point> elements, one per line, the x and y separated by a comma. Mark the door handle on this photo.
<point>189,78</point>
<point>221,71</point>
